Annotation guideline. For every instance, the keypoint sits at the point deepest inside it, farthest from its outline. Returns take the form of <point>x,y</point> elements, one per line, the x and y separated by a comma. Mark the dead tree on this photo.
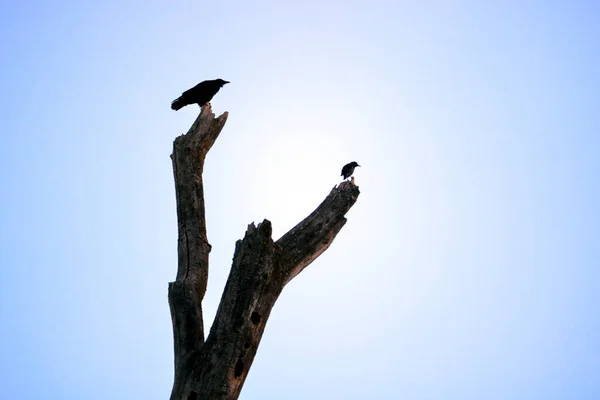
<point>216,368</point>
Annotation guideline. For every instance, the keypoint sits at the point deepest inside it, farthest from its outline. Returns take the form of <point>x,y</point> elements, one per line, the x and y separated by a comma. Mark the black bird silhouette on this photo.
<point>348,169</point>
<point>200,94</point>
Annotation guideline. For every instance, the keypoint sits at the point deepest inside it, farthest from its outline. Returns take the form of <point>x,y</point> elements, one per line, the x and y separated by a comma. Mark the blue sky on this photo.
<point>468,268</point>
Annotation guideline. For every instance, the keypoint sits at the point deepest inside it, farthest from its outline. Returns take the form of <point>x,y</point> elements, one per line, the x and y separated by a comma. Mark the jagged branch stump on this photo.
<point>216,369</point>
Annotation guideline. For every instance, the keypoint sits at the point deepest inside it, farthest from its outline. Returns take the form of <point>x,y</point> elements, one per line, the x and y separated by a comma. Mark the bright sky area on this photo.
<point>468,268</point>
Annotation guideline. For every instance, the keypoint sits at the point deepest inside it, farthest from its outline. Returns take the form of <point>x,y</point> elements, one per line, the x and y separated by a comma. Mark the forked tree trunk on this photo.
<point>216,368</point>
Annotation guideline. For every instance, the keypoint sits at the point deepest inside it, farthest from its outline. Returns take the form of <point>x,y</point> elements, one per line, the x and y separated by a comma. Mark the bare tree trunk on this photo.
<point>216,369</point>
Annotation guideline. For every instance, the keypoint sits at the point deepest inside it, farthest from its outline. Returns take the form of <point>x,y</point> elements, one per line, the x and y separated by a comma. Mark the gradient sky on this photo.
<point>468,269</point>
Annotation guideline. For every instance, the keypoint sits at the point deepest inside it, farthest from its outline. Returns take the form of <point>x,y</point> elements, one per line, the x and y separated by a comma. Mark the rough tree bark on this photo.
<point>216,368</point>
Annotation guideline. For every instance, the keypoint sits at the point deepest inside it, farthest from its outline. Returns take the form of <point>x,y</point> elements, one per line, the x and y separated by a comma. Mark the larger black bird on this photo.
<point>200,94</point>
<point>348,169</point>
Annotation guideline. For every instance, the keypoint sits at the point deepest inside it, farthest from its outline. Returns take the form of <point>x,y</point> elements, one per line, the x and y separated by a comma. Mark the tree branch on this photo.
<point>311,237</point>
<point>187,292</point>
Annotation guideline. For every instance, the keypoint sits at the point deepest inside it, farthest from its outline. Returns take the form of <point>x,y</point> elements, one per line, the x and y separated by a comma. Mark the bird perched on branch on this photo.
<point>348,169</point>
<point>200,94</point>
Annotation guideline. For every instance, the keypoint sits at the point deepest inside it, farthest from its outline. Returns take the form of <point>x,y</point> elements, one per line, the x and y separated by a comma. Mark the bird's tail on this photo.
<point>177,104</point>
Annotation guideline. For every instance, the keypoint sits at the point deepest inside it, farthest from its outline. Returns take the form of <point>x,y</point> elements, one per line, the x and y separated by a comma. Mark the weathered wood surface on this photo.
<point>216,368</point>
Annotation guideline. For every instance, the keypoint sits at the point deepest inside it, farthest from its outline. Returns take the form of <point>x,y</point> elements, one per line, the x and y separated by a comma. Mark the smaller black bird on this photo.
<point>200,94</point>
<point>348,169</point>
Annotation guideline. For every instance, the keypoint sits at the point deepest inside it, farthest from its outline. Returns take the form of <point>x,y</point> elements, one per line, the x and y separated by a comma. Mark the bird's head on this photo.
<point>221,82</point>
<point>354,164</point>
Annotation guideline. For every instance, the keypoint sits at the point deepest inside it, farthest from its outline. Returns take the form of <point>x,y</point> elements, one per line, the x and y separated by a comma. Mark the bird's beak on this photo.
<point>225,82</point>
<point>358,165</point>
